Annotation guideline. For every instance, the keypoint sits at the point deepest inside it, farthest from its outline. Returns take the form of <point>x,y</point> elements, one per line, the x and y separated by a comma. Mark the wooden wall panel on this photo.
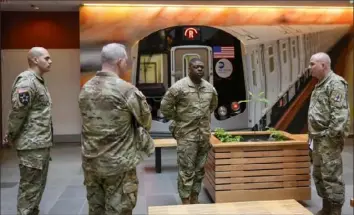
<point>52,30</point>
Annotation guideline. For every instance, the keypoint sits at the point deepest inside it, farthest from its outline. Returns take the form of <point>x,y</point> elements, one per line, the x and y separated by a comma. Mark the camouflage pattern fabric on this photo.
<point>328,169</point>
<point>328,121</point>
<point>111,195</point>
<point>115,118</point>
<point>34,166</point>
<point>30,118</point>
<point>191,158</point>
<point>329,108</point>
<point>190,107</point>
<point>30,129</point>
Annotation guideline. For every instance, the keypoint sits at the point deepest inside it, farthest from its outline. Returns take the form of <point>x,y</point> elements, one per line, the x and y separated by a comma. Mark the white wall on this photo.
<point>63,82</point>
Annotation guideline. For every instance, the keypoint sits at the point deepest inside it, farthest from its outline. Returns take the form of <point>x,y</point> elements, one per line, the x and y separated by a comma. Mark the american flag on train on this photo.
<point>223,52</point>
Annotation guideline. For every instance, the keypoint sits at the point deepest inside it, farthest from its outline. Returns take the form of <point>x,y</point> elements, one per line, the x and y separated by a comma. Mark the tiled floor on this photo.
<point>65,193</point>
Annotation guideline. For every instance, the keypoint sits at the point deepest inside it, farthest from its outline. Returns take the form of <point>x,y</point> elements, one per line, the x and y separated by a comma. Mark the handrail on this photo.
<point>294,108</point>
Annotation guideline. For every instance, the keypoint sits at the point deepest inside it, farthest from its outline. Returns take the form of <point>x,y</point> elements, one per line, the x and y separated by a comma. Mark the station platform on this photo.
<point>66,194</point>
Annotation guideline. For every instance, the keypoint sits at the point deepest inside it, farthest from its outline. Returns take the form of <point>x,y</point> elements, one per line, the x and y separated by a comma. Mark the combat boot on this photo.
<point>194,198</point>
<point>185,201</point>
<point>336,209</point>
<point>326,208</point>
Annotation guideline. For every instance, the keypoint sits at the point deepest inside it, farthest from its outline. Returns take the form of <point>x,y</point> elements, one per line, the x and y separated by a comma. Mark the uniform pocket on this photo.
<point>130,187</point>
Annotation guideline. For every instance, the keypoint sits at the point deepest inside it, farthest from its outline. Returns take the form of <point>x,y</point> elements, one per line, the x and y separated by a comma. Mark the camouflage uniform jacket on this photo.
<point>329,108</point>
<point>190,108</point>
<point>115,120</point>
<point>30,119</point>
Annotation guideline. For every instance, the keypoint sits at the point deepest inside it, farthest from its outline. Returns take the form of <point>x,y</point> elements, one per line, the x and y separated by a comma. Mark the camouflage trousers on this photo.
<point>328,169</point>
<point>111,195</point>
<point>191,158</point>
<point>34,166</point>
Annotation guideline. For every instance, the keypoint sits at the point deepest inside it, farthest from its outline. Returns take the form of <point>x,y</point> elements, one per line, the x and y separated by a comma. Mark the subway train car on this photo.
<point>239,61</point>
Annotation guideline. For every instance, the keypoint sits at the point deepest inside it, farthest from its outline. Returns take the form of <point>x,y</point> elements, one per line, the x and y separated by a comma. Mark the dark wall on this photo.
<point>52,30</point>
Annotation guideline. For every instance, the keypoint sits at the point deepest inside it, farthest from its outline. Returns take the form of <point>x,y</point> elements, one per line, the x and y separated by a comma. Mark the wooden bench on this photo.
<point>277,207</point>
<point>162,143</point>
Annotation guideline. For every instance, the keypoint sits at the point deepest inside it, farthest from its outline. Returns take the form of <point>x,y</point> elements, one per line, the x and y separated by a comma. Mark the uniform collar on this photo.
<point>107,73</point>
<point>325,79</point>
<point>191,84</point>
<point>39,78</point>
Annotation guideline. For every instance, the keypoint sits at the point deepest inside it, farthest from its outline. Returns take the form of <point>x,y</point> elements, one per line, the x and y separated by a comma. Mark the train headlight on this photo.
<point>235,106</point>
<point>222,111</point>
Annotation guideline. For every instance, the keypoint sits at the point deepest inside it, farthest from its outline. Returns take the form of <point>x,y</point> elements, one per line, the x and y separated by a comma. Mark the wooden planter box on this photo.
<point>261,170</point>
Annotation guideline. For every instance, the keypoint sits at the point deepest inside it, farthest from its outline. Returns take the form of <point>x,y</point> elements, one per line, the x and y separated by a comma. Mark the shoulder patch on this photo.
<point>23,96</point>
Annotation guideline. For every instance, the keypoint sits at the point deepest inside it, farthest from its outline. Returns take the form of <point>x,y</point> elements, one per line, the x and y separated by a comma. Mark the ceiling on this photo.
<point>69,5</point>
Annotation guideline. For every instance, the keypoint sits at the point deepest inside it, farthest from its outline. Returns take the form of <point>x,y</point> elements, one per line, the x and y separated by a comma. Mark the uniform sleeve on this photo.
<point>140,109</point>
<point>214,101</point>
<point>339,115</point>
<point>168,103</point>
<point>22,96</point>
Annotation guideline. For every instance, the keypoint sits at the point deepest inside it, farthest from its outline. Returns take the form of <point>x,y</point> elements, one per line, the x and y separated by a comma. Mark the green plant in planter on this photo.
<point>258,98</point>
<point>276,135</point>
<point>223,136</point>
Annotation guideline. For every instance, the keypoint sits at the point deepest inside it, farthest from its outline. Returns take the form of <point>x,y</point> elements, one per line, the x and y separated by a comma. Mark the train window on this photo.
<point>271,64</point>
<point>270,50</point>
<point>271,58</point>
<point>294,52</point>
<point>284,56</point>
<point>284,46</point>
<point>253,62</point>
<point>150,69</point>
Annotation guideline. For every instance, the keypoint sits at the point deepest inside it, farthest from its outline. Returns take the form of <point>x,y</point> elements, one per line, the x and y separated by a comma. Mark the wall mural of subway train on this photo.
<point>240,61</point>
<point>246,49</point>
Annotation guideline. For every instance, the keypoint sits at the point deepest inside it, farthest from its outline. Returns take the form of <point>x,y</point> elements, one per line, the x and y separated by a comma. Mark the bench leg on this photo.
<point>158,160</point>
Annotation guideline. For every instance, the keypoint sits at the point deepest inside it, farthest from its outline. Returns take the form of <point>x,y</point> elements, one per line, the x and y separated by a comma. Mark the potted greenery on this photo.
<point>257,165</point>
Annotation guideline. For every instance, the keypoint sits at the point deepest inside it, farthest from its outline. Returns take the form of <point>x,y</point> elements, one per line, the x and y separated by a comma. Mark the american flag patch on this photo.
<point>22,90</point>
<point>223,52</point>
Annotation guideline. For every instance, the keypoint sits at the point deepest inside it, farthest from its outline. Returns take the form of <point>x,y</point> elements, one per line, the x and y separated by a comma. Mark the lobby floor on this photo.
<point>66,195</point>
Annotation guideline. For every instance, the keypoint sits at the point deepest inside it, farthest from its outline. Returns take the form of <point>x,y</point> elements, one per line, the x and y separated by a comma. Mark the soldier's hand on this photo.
<point>6,143</point>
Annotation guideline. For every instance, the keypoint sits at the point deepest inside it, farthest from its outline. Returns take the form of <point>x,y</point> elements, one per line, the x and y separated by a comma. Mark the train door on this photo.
<point>262,73</point>
<point>285,63</point>
<point>256,83</point>
<point>180,57</point>
<point>272,72</point>
<point>294,58</point>
<point>301,55</point>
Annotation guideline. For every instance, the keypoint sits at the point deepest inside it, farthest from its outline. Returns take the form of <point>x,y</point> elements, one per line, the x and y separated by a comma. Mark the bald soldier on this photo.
<point>328,121</point>
<point>30,130</point>
<point>189,103</point>
<point>116,119</point>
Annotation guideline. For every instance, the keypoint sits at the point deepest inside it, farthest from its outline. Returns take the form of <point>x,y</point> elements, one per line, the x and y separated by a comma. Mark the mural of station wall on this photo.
<point>129,24</point>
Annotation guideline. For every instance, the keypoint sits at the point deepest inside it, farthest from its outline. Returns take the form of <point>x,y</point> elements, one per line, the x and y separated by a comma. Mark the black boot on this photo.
<point>326,208</point>
<point>336,209</point>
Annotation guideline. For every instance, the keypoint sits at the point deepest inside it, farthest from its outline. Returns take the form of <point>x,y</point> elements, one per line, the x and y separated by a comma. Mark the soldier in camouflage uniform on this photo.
<point>116,119</point>
<point>328,125</point>
<point>30,130</point>
<point>189,103</point>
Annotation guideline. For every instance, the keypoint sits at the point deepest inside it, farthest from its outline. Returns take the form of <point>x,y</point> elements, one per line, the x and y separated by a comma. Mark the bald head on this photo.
<point>39,59</point>
<point>322,58</point>
<point>320,65</point>
<point>36,52</point>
